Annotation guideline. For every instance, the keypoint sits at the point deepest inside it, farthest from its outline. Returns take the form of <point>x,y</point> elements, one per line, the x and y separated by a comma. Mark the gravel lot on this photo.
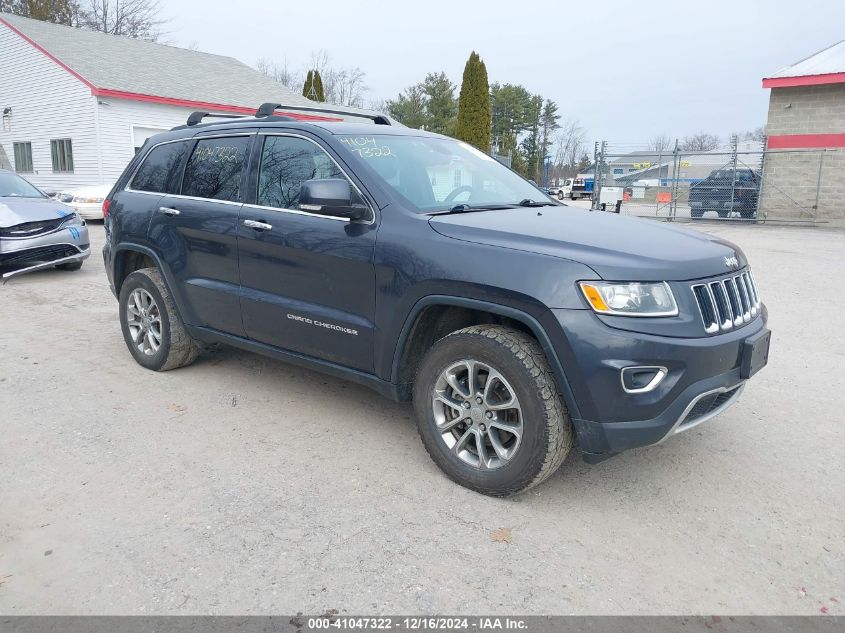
<point>242,485</point>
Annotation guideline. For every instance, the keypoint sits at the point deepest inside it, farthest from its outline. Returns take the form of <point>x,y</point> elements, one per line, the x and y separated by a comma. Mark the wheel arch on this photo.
<point>130,257</point>
<point>453,313</point>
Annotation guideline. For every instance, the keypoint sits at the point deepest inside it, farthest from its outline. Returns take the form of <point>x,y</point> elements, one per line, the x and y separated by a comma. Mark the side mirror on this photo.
<point>332,196</point>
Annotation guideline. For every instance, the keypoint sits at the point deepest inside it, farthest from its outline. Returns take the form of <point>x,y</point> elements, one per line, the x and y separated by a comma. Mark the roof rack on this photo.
<point>267,109</point>
<point>196,117</point>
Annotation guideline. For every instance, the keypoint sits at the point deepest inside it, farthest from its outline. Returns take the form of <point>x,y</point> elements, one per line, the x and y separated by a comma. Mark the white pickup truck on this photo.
<point>579,187</point>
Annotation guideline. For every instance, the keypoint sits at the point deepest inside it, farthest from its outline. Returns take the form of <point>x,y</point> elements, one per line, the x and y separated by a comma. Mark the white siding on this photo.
<point>124,123</point>
<point>47,103</point>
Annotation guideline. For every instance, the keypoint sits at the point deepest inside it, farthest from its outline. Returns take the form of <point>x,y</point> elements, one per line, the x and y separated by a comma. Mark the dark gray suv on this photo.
<point>419,266</point>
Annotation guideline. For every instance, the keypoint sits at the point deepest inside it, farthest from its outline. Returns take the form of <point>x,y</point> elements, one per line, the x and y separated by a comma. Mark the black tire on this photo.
<point>177,348</point>
<point>696,213</point>
<point>748,215</point>
<point>560,195</point>
<point>70,266</point>
<point>547,433</point>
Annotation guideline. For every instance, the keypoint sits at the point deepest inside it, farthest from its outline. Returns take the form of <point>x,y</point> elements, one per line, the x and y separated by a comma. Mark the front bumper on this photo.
<point>25,255</point>
<point>704,377</point>
<point>88,210</point>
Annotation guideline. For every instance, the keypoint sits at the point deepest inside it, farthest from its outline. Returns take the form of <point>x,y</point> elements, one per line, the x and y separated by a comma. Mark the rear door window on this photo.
<point>161,168</point>
<point>215,167</point>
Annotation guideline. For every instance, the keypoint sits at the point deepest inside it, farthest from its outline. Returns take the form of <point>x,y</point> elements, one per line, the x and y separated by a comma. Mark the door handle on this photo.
<point>168,211</point>
<point>260,226</point>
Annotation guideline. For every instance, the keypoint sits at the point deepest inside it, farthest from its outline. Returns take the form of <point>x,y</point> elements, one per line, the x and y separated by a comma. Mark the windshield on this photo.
<point>12,186</point>
<point>435,174</point>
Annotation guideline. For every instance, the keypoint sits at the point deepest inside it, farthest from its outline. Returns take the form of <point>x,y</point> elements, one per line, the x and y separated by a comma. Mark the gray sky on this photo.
<point>625,70</point>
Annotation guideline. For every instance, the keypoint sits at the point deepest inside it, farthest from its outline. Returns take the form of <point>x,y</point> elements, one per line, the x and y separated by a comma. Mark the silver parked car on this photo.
<point>36,231</point>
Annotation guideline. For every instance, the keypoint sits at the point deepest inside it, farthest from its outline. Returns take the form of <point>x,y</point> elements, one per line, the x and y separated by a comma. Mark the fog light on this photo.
<point>642,379</point>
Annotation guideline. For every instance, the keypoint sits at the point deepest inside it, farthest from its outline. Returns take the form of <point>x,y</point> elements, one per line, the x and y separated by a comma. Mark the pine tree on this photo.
<point>473,124</point>
<point>313,86</point>
<point>440,102</point>
<point>58,11</point>
<point>308,87</point>
<point>318,86</point>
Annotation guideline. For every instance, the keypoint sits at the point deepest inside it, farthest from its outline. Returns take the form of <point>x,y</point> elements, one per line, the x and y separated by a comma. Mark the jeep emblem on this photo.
<point>731,262</point>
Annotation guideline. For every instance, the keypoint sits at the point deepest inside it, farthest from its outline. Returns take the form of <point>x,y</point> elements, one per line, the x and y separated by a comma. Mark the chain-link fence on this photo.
<point>741,181</point>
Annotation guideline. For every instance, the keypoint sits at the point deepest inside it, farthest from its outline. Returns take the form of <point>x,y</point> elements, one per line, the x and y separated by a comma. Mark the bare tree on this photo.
<point>661,144</point>
<point>756,134</point>
<point>569,146</point>
<point>701,142</point>
<point>342,86</point>
<point>345,86</point>
<point>280,72</point>
<point>140,19</point>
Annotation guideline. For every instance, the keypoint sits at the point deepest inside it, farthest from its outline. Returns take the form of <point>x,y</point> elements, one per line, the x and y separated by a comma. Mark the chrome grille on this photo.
<point>727,303</point>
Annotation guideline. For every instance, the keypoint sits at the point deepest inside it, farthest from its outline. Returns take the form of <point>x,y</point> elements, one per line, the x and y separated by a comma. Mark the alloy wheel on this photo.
<point>477,414</point>
<point>144,320</point>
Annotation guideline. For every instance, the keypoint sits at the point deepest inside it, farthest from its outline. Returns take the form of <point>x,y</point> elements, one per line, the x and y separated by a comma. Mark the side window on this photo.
<point>287,162</point>
<point>160,170</point>
<point>214,168</point>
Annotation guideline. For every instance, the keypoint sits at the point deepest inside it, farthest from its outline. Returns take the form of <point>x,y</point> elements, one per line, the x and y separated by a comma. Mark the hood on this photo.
<point>617,247</point>
<point>15,211</point>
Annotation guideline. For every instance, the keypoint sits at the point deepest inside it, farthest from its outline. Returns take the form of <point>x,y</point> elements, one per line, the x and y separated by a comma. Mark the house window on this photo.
<point>23,157</point>
<point>618,171</point>
<point>61,151</point>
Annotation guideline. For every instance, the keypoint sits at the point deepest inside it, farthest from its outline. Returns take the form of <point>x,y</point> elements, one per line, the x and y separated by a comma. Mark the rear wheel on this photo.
<point>153,332</point>
<point>489,412</point>
<point>696,213</point>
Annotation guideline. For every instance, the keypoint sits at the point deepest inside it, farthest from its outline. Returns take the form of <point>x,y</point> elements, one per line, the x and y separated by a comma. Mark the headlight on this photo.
<point>87,200</point>
<point>630,298</point>
<point>70,219</point>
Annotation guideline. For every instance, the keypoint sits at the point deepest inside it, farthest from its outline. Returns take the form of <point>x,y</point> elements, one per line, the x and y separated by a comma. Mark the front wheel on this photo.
<point>489,411</point>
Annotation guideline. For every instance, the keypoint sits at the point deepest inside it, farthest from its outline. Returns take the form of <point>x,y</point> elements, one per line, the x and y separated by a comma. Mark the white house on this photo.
<point>77,104</point>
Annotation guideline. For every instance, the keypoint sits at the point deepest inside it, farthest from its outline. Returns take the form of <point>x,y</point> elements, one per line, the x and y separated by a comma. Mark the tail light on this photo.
<point>106,205</point>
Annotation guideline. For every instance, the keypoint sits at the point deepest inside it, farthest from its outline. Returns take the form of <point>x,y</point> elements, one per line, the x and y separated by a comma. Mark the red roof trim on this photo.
<point>202,105</point>
<point>806,80</point>
<point>40,48</point>
<point>806,141</point>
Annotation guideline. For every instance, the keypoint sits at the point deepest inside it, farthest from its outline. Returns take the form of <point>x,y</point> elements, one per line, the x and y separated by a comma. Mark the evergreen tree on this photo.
<point>510,107</point>
<point>57,11</point>
<point>441,104</point>
<point>318,87</point>
<point>308,87</point>
<point>473,124</point>
<point>549,122</point>
<point>531,143</point>
<point>410,107</point>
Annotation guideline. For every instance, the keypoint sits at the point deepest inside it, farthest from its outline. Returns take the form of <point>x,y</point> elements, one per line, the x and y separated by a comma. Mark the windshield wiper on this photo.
<point>528,202</point>
<point>469,208</point>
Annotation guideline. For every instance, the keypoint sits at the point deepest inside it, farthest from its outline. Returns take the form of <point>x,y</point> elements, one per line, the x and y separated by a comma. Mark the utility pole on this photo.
<point>598,172</point>
<point>734,149</point>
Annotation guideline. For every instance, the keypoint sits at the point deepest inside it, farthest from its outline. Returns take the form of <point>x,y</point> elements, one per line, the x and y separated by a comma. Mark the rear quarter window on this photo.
<point>215,167</point>
<point>159,172</point>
